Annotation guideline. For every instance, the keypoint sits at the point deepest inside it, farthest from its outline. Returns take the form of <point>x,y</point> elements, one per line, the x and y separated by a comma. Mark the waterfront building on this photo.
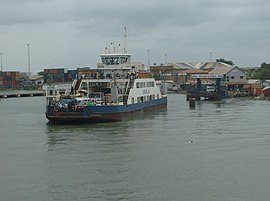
<point>255,86</point>
<point>179,75</point>
<point>234,77</point>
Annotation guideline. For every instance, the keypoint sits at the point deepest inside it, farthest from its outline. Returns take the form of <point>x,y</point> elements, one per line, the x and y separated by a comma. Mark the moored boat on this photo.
<point>114,92</point>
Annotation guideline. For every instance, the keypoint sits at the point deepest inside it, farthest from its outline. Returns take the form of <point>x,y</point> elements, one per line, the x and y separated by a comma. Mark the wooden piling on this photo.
<point>192,103</point>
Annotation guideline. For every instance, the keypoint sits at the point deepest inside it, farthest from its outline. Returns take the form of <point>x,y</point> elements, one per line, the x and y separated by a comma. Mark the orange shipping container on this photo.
<point>9,83</point>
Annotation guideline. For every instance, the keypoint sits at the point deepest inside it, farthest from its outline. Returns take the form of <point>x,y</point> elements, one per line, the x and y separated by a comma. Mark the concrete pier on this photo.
<point>18,93</point>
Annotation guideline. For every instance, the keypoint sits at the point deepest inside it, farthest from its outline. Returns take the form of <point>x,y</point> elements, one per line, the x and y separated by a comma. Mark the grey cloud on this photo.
<point>183,29</point>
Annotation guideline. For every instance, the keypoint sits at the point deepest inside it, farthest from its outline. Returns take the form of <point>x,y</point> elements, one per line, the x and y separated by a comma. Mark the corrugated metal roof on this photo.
<point>220,69</point>
<point>194,71</point>
<point>200,65</point>
<point>254,81</point>
<point>213,65</point>
<point>183,65</point>
<point>234,83</point>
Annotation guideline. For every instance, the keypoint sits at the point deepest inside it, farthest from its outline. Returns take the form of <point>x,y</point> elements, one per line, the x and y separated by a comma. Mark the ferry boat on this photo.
<point>114,91</point>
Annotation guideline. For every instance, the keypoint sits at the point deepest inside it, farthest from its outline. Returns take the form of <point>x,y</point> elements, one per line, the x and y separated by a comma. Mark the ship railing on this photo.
<point>77,105</point>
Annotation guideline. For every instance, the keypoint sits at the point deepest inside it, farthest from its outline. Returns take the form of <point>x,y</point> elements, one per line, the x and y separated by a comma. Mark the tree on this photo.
<point>41,73</point>
<point>252,72</point>
<point>263,72</point>
<point>225,61</point>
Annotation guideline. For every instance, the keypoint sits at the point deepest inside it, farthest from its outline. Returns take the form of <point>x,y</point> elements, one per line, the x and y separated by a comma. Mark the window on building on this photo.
<point>241,77</point>
<point>232,77</point>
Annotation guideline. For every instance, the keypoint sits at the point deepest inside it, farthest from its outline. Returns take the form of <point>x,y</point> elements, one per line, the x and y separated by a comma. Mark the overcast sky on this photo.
<point>72,33</point>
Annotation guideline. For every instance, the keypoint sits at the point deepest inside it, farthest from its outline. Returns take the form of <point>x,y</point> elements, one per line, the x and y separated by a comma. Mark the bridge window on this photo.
<point>140,85</point>
<point>150,84</point>
<point>115,60</point>
<point>84,85</point>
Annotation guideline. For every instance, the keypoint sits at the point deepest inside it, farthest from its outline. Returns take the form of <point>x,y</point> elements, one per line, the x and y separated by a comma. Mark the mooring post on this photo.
<point>192,103</point>
<point>198,90</point>
<point>218,88</point>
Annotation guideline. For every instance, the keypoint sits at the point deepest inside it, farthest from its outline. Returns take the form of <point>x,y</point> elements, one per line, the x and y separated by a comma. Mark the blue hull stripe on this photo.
<point>122,108</point>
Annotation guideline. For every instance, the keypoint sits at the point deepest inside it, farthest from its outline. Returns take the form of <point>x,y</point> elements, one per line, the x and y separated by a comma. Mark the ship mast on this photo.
<point>125,42</point>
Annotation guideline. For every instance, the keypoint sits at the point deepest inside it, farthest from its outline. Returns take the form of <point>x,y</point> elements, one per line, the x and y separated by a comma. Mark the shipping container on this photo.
<point>48,78</point>
<point>11,75</point>
<point>48,71</point>
<point>10,84</point>
<point>55,71</point>
<point>83,69</point>
<point>57,75</point>
<point>72,72</point>
<point>7,78</point>
<point>66,77</point>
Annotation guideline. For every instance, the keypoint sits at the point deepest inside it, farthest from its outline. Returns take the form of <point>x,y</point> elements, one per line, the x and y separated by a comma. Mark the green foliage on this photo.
<point>41,73</point>
<point>252,72</point>
<point>225,61</point>
<point>263,72</point>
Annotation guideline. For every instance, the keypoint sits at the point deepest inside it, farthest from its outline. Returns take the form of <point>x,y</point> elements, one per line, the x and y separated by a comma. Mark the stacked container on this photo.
<point>71,75</point>
<point>10,79</point>
<point>1,79</point>
<point>59,75</point>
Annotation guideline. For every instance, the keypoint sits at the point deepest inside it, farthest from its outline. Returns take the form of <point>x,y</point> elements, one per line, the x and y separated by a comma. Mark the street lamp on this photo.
<point>28,48</point>
<point>148,54</point>
<point>1,57</point>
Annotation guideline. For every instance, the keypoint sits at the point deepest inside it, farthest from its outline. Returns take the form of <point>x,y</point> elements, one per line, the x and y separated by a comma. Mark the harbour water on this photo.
<point>218,151</point>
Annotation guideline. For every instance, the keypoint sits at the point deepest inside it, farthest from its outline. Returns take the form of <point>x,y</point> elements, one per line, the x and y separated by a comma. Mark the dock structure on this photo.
<point>18,93</point>
<point>199,93</point>
<point>206,95</point>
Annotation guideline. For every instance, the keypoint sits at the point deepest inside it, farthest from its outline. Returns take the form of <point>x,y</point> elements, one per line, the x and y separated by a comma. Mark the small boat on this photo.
<point>113,92</point>
<point>266,91</point>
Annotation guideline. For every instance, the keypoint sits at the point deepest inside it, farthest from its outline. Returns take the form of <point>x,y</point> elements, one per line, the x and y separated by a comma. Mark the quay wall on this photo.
<point>18,93</point>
